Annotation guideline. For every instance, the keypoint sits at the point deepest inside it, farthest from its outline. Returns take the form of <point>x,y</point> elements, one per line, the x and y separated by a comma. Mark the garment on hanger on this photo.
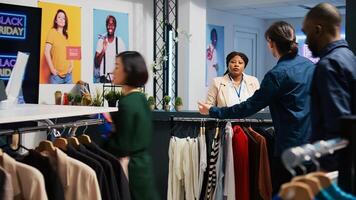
<point>21,176</point>
<point>96,166</point>
<point>122,182</point>
<point>194,156</point>
<point>263,174</point>
<point>188,170</point>
<point>6,191</point>
<point>53,184</point>
<point>78,179</point>
<point>108,170</point>
<point>202,158</point>
<point>212,178</point>
<point>220,170</point>
<point>241,164</point>
<point>229,181</point>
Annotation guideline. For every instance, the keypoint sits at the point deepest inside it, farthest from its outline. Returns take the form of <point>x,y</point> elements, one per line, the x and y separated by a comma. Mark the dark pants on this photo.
<point>279,174</point>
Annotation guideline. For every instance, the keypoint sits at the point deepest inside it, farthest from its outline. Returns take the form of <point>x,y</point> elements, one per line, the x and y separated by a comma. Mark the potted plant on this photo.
<point>166,101</point>
<point>151,102</point>
<point>178,104</point>
<point>112,96</point>
<point>97,99</point>
<point>70,98</point>
<point>77,99</point>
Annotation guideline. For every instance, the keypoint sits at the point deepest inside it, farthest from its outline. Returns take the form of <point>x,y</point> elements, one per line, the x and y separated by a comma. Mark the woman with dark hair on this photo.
<point>133,126</point>
<point>56,50</point>
<point>235,86</point>
<point>286,90</point>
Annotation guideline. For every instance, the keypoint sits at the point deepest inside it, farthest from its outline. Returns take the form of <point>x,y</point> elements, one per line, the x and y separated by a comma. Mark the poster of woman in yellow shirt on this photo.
<point>60,42</point>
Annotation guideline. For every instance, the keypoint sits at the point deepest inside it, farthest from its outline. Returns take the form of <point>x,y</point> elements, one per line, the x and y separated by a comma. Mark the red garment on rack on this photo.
<point>241,164</point>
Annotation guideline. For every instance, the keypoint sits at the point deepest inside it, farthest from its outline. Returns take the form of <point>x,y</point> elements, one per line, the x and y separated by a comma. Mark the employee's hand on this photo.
<point>204,108</point>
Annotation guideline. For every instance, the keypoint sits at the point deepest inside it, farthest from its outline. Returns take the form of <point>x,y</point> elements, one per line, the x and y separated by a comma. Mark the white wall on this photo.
<point>191,56</point>
<point>140,36</point>
<point>231,22</point>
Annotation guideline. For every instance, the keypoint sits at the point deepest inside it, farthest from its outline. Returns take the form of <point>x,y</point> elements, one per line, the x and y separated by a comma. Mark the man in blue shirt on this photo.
<point>333,81</point>
<point>334,73</point>
<point>286,90</point>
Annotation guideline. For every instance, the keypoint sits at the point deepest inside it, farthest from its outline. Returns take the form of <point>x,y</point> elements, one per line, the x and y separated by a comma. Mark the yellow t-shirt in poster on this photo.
<point>58,51</point>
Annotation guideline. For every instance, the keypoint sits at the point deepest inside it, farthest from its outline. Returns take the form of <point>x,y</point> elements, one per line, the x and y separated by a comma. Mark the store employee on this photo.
<point>235,86</point>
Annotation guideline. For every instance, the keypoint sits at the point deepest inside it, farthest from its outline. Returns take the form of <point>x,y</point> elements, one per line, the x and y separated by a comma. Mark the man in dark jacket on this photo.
<point>334,76</point>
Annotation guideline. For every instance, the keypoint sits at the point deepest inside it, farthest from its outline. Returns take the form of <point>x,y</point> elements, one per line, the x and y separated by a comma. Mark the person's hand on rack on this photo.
<point>204,108</point>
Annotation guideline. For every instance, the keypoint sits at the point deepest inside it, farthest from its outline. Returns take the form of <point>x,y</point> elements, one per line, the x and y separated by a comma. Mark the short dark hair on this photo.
<point>283,34</point>
<point>108,18</point>
<point>213,32</point>
<point>327,15</point>
<point>231,56</point>
<point>135,68</point>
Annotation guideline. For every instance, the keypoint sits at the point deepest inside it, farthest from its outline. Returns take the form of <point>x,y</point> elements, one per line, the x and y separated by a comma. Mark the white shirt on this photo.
<point>238,94</point>
<point>211,60</point>
<point>110,54</point>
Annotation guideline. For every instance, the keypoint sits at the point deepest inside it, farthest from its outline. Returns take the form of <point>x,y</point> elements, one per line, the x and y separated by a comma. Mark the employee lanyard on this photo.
<point>238,93</point>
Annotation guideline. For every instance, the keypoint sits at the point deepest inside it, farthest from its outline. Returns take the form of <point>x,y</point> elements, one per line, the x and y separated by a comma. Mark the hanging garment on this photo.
<point>96,166</point>
<point>254,158</point>
<point>264,172</point>
<point>78,179</point>
<point>338,194</point>
<point>21,176</point>
<point>6,191</point>
<point>53,184</point>
<point>212,178</point>
<point>220,168</point>
<point>108,170</point>
<point>178,182</point>
<point>171,186</point>
<point>122,182</point>
<point>194,153</point>
<point>188,170</point>
<point>229,181</point>
<point>202,157</point>
<point>241,164</point>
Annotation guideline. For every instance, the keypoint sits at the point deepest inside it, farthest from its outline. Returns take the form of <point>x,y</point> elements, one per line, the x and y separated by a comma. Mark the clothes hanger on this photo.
<point>217,130</point>
<point>1,152</point>
<point>73,141</point>
<point>61,143</point>
<point>83,138</point>
<point>295,191</point>
<point>46,146</point>
<point>324,180</point>
<point>312,182</point>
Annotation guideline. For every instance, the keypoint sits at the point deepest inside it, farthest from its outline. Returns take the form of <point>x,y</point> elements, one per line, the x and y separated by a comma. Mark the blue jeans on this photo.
<point>56,79</point>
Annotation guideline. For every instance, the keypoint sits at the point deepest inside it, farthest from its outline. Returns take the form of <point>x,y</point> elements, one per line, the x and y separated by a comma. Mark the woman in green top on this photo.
<point>133,126</point>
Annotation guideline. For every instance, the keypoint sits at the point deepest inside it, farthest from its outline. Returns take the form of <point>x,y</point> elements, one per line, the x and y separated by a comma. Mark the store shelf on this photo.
<point>31,112</point>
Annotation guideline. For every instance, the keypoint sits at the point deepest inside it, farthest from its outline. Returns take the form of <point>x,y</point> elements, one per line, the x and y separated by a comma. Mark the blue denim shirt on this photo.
<point>286,90</point>
<point>332,89</point>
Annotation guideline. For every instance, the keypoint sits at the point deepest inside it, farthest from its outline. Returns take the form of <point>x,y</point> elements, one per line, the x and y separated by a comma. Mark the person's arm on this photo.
<point>47,52</point>
<point>332,84</point>
<point>268,92</point>
<point>100,52</point>
<point>71,65</point>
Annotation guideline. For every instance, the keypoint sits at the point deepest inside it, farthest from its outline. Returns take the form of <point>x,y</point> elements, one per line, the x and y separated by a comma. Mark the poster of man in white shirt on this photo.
<point>214,53</point>
<point>108,45</point>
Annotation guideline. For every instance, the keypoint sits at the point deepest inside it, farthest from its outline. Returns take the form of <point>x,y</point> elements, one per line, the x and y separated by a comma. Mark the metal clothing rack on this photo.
<point>199,119</point>
<point>49,126</point>
<point>296,156</point>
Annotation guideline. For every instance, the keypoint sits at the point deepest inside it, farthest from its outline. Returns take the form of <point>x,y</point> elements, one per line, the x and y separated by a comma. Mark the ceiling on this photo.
<point>271,9</point>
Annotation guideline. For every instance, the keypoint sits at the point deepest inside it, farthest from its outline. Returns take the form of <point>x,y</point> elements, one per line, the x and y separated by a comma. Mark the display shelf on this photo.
<point>32,112</point>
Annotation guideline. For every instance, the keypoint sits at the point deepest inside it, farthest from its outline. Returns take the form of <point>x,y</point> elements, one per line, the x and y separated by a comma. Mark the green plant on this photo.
<point>178,101</point>
<point>151,100</point>
<point>112,95</point>
<point>78,98</point>
<point>97,99</point>
<point>70,97</point>
<point>166,99</point>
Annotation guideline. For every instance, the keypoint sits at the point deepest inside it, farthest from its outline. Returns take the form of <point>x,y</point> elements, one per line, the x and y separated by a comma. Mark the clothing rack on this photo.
<point>296,156</point>
<point>75,124</point>
<point>198,119</point>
